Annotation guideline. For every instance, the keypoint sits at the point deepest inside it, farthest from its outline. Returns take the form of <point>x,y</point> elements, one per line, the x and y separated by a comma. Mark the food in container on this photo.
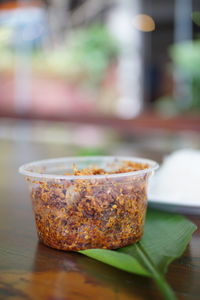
<point>89,202</point>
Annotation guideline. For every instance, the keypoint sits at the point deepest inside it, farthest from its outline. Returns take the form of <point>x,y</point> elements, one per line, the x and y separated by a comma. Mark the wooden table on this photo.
<point>144,123</point>
<point>29,270</point>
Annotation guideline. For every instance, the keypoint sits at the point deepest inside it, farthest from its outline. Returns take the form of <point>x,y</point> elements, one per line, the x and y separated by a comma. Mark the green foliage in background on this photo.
<point>186,56</point>
<point>85,54</point>
<point>90,152</point>
<point>91,50</point>
<point>196,17</point>
<point>186,60</point>
<point>165,239</point>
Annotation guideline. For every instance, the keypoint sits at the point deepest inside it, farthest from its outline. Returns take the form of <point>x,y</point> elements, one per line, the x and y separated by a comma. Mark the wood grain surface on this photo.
<point>32,271</point>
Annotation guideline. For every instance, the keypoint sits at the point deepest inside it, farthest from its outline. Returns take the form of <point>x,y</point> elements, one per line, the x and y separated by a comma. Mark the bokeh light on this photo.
<point>144,23</point>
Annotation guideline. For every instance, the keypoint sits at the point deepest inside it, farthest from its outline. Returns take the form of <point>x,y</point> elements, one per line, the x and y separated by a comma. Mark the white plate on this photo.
<point>173,205</point>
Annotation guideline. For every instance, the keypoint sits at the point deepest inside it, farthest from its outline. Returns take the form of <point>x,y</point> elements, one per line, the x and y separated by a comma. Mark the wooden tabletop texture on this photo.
<point>32,271</point>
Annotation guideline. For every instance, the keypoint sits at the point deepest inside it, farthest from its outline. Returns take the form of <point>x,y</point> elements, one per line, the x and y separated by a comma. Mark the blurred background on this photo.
<point>94,77</point>
<point>86,77</point>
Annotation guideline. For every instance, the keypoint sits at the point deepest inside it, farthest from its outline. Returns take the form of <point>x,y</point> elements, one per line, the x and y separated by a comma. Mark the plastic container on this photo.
<point>94,211</point>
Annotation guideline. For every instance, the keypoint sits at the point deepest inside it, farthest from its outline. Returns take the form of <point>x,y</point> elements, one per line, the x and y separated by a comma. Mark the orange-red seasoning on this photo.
<point>98,213</point>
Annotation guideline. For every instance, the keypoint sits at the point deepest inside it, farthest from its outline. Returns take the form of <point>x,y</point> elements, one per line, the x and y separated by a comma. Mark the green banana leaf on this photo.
<point>165,238</point>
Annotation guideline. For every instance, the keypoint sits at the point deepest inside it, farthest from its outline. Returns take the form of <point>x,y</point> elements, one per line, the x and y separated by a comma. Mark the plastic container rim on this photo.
<point>24,168</point>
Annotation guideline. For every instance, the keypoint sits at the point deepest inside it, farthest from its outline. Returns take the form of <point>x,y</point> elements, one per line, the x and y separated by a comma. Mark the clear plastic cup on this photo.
<point>88,211</point>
